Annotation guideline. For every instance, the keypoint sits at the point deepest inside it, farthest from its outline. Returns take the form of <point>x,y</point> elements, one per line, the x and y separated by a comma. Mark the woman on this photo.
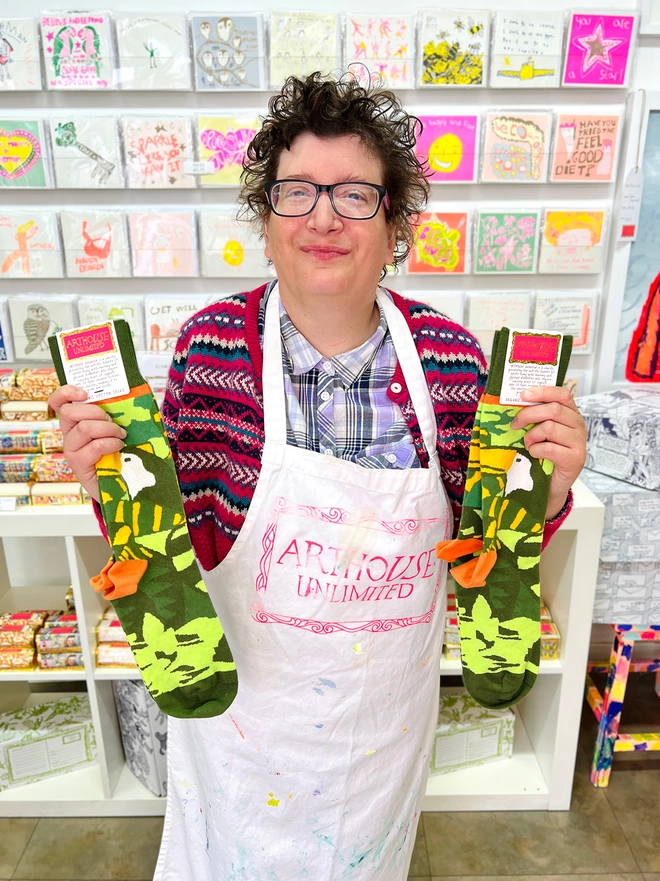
<point>320,425</point>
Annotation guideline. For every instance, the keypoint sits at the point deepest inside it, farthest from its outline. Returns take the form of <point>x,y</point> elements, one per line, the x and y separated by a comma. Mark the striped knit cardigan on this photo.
<point>213,411</point>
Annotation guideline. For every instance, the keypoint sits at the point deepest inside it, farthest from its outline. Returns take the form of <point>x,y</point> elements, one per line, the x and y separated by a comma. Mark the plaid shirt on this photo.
<point>339,406</point>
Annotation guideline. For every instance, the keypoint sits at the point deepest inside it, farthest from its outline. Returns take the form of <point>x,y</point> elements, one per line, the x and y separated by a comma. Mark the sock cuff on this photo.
<point>126,347</point>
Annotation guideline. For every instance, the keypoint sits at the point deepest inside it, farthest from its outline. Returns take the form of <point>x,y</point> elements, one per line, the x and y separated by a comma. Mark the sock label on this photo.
<point>532,359</point>
<point>92,361</point>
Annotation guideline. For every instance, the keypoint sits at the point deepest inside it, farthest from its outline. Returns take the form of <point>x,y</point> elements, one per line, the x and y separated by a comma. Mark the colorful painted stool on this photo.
<point>607,708</point>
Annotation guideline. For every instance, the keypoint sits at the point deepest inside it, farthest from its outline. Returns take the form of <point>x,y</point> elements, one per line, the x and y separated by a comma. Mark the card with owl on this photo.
<point>302,42</point>
<point>153,52</point>
<point>156,150</point>
<point>453,47</point>
<point>24,161</point>
<point>228,52</point>
<point>165,314</point>
<point>527,49</point>
<point>86,152</point>
<point>230,248</point>
<point>380,48</point>
<point>35,317</point>
<point>97,310</point>
<point>78,50</point>
<point>221,143</point>
<point>20,63</point>
<point>516,147</point>
<point>6,345</point>
<point>163,243</point>
<point>30,244</point>
<point>95,244</point>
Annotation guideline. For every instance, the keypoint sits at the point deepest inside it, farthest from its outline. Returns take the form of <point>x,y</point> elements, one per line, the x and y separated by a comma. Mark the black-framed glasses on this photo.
<point>353,200</point>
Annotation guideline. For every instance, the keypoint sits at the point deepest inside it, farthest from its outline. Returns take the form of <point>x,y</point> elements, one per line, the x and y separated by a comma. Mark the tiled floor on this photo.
<point>607,834</point>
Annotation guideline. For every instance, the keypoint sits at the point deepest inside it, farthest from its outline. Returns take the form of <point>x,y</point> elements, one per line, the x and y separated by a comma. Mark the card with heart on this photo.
<point>86,152</point>
<point>23,154</point>
<point>230,248</point>
<point>156,149</point>
<point>228,52</point>
<point>222,142</point>
<point>153,52</point>
<point>78,50</point>
<point>30,244</point>
<point>95,244</point>
<point>20,63</point>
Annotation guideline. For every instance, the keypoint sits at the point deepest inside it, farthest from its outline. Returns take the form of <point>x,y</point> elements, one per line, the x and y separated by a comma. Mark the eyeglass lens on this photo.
<point>294,198</point>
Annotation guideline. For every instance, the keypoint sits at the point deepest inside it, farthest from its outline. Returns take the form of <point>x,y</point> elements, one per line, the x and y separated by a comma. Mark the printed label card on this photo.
<point>506,242</point>
<point>20,63</point>
<point>599,49</point>
<point>156,150</point>
<point>77,50</point>
<point>489,312</point>
<point>516,147</point>
<point>441,243</point>
<point>153,52</point>
<point>572,241</point>
<point>30,245</point>
<point>6,345</point>
<point>449,146</point>
<point>35,317</point>
<point>23,157</point>
<point>95,244</point>
<point>222,142</point>
<point>230,247</point>
<point>163,243</point>
<point>228,52</point>
<point>380,47</point>
<point>86,152</point>
<point>569,313</point>
<point>302,42</point>
<point>91,360</point>
<point>98,310</point>
<point>586,148</point>
<point>527,50</point>
<point>532,359</point>
<point>449,303</point>
<point>453,47</point>
<point>164,317</point>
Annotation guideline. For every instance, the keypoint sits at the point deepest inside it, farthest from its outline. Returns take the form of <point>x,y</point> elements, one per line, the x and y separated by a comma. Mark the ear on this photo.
<point>264,230</point>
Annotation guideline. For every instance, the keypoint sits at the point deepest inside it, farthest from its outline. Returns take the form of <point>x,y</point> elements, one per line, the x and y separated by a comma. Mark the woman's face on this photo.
<point>322,253</point>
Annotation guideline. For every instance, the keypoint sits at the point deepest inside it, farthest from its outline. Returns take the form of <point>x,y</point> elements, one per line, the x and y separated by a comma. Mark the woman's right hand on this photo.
<point>89,433</point>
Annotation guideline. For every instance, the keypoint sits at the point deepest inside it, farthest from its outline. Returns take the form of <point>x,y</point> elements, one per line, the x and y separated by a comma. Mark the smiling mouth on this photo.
<point>321,253</point>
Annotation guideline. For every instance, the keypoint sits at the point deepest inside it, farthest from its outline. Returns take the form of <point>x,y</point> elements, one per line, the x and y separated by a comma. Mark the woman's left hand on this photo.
<point>558,434</point>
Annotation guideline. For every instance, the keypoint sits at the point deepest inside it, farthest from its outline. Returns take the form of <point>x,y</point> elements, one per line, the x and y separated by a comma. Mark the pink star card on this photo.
<point>599,49</point>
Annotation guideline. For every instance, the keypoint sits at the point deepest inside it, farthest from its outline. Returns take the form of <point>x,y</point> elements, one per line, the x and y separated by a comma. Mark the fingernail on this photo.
<point>123,432</point>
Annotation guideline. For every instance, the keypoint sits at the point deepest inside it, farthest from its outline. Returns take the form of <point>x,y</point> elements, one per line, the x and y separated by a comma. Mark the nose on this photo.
<point>323,218</point>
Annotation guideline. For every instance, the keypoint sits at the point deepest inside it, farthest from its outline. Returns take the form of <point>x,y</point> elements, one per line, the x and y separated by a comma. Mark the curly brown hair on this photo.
<point>331,108</point>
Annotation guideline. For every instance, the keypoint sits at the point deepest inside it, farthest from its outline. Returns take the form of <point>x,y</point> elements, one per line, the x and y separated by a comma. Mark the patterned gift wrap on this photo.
<point>452,652</point>
<point>25,441</point>
<point>110,630</point>
<point>34,384</point>
<point>62,619</point>
<point>7,376</point>
<point>545,613</point>
<point>114,654</point>
<point>51,440</point>
<point>550,639</point>
<point>25,411</point>
<point>34,617</point>
<point>18,491</point>
<point>17,658</point>
<point>58,639</point>
<point>60,660</point>
<point>68,598</point>
<point>16,635</point>
<point>16,468</point>
<point>51,468</point>
<point>56,494</point>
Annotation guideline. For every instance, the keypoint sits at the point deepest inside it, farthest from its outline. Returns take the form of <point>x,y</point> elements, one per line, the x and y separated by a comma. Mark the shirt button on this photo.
<point>396,388</point>
<point>391,457</point>
<point>326,365</point>
<point>328,453</point>
<point>325,396</point>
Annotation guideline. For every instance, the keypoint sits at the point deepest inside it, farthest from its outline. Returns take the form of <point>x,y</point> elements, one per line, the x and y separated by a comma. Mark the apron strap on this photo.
<point>273,372</point>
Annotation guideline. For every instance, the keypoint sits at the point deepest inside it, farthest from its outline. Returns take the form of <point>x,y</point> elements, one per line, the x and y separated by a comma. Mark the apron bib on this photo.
<point>333,602</point>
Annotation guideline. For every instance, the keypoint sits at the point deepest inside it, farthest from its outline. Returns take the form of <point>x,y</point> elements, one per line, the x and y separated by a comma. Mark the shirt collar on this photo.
<point>303,357</point>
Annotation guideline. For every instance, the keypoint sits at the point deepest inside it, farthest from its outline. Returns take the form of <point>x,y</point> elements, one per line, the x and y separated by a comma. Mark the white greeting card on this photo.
<point>20,62</point>
<point>95,244</point>
<point>302,42</point>
<point>156,150</point>
<point>164,316</point>
<point>572,241</point>
<point>29,244</point>
<point>78,50</point>
<point>489,311</point>
<point>230,248</point>
<point>380,48</point>
<point>450,303</point>
<point>86,152</point>
<point>6,345</point>
<point>527,49</point>
<point>569,312</point>
<point>453,47</point>
<point>153,52</point>
<point>96,310</point>
<point>229,52</point>
<point>35,317</point>
<point>163,242</point>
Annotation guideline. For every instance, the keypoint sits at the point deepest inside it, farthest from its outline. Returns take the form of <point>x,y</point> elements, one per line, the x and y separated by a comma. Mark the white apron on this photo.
<point>333,602</point>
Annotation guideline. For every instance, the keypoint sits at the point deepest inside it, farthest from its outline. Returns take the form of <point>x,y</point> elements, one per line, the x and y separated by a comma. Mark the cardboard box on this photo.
<point>41,741</point>
<point>624,435</point>
<point>143,732</point>
<point>468,734</point>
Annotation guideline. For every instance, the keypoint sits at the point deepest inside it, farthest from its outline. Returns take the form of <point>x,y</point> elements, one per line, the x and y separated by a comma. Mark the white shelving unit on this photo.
<point>538,777</point>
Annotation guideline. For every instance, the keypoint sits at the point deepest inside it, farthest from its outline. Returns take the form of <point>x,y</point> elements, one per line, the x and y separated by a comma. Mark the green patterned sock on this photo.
<point>496,555</point>
<point>152,578</point>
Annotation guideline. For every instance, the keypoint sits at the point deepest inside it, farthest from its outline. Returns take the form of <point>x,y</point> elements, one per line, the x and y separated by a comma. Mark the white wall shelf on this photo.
<point>539,776</point>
